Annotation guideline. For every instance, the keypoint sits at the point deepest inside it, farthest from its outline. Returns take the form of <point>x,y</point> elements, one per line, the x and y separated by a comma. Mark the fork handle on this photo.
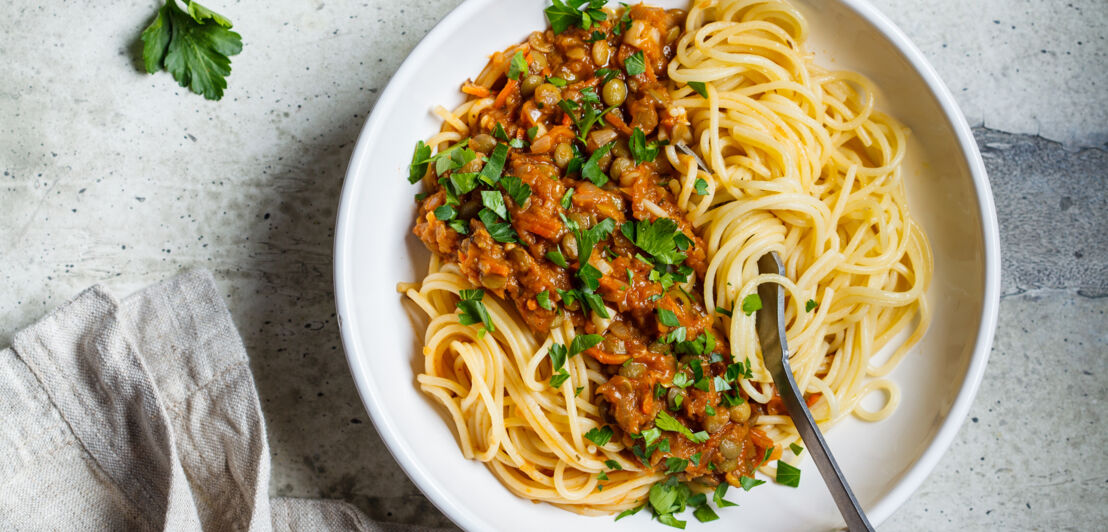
<point>775,353</point>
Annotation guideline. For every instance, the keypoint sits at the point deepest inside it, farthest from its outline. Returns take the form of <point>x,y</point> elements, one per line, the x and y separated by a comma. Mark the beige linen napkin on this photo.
<point>141,414</point>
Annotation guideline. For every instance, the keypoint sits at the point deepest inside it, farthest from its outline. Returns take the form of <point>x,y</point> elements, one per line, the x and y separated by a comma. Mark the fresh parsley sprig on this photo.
<point>581,13</point>
<point>194,45</point>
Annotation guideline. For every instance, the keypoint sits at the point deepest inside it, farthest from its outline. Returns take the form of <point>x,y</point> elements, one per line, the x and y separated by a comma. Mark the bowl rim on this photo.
<point>915,475</point>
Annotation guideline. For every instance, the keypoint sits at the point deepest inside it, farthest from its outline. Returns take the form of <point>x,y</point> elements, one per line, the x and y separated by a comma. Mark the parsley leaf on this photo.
<point>418,167</point>
<point>543,299</point>
<point>195,46</point>
<point>613,465</point>
<point>517,189</point>
<point>629,512</point>
<point>461,226</point>
<point>787,474</point>
<point>556,81</point>
<point>599,436</point>
<point>704,513</point>
<point>701,187</point>
<point>658,238</point>
<point>663,497</point>
<point>499,133</point>
<point>751,304</point>
<point>587,239</point>
<point>590,277</point>
<point>641,150</point>
<point>490,173</point>
<point>721,491</point>
<point>796,449</point>
<point>635,64</point>
<point>810,305</point>
<point>558,353</point>
<point>473,311</point>
<point>567,198</point>
<point>589,115</point>
<point>556,257</point>
<point>749,483</point>
<point>591,170</point>
<point>676,465</point>
<point>699,87</point>
<point>562,16</point>
<point>723,311</point>
<point>463,182</point>
<point>668,318</point>
<point>665,421</point>
<point>582,342</point>
<point>494,201</point>
<point>445,213</point>
<point>559,378</point>
<point>500,231</point>
<point>518,66</point>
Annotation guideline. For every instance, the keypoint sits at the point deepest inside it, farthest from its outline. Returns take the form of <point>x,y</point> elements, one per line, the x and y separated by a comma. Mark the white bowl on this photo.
<point>884,462</point>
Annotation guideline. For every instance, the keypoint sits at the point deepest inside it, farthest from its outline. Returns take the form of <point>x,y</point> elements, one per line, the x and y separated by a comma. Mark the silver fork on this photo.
<point>775,351</point>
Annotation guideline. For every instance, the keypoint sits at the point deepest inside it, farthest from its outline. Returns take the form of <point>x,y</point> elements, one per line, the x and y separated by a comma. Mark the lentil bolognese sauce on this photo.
<point>595,209</point>
<point>582,226</point>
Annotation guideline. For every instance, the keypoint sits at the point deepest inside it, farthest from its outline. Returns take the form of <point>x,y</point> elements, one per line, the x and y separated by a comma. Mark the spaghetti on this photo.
<point>609,184</point>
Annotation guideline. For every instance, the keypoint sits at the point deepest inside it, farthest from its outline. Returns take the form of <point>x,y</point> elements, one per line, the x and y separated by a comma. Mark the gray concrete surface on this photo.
<point>111,176</point>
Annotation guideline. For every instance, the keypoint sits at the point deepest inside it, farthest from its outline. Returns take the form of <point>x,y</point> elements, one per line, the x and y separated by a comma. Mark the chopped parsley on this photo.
<point>667,422</point>
<point>787,474</point>
<point>606,75</point>
<point>518,66</point>
<point>796,449</point>
<point>718,496</point>
<point>559,378</point>
<point>810,305</point>
<point>749,483</point>
<point>751,304</point>
<point>613,465</point>
<point>668,318</point>
<point>599,436</point>
<point>641,150</point>
<point>499,134</point>
<point>461,226</point>
<point>699,87</point>
<point>494,201</point>
<point>472,311</point>
<point>635,64</point>
<point>516,189</point>
<point>590,114</point>
<point>588,238</point>
<point>660,238</point>
<point>591,170</point>
<point>676,465</point>
<point>499,230</point>
<point>556,257</point>
<point>582,342</point>
<point>445,213</point>
<point>582,13</point>
<point>705,513</point>
<point>590,277</point>
<point>556,81</point>
<point>558,354</point>
<point>490,173</point>
<point>420,158</point>
<point>723,311</point>
<point>567,198</point>
<point>701,187</point>
<point>463,182</point>
<point>629,512</point>
<point>543,299</point>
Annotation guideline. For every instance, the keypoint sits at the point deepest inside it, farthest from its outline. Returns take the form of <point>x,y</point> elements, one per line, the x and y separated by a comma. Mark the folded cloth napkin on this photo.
<point>141,415</point>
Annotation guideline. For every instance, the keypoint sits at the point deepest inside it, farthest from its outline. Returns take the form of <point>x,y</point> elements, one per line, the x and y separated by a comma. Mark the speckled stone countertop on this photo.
<point>111,176</point>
